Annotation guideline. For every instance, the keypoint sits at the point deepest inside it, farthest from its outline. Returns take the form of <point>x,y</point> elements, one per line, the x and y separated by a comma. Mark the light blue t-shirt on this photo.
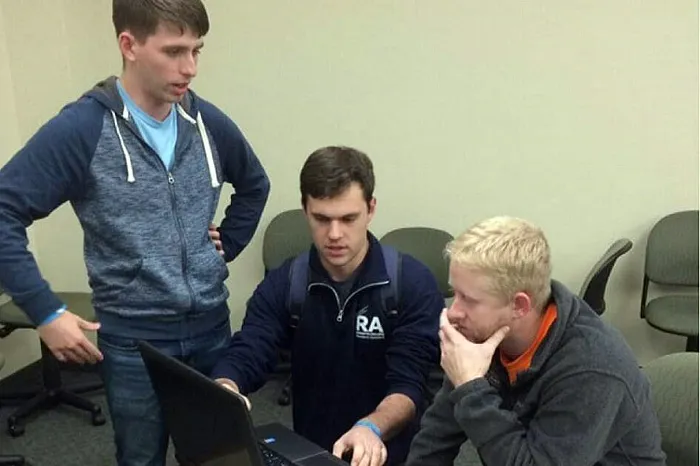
<point>160,135</point>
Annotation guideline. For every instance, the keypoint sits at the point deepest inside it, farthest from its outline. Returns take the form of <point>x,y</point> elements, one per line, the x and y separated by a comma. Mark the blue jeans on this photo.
<point>139,433</point>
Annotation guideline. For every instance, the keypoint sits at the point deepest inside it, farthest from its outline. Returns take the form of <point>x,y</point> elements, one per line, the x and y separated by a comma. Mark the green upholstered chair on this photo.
<point>674,384</point>
<point>671,260</point>
<point>426,245</point>
<point>286,236</point>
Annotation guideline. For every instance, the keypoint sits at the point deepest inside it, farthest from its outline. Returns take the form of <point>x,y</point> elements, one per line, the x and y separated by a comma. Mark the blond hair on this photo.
<point>513,253</point>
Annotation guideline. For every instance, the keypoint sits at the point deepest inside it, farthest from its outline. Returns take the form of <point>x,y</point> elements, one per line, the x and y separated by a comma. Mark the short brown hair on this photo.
<point>142,17</point>
<point>330,170</point>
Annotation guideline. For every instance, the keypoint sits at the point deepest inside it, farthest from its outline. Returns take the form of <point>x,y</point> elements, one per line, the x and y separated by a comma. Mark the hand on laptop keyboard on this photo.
<point>362,445</point>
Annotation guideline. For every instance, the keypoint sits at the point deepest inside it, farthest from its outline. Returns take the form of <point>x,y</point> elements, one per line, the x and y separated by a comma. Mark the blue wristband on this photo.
<point>371,425</point>
<point>53,316</point>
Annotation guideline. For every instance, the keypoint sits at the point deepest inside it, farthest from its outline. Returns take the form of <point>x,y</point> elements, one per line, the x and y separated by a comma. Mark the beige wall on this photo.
<point>20,346</point>
<point>580,116</point>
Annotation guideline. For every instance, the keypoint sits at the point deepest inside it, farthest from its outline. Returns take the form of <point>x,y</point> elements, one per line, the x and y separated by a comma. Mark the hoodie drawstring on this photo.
<point>202,132</point>
<point>205,142</point>
<point>207,150</point>
<point>127,158</point>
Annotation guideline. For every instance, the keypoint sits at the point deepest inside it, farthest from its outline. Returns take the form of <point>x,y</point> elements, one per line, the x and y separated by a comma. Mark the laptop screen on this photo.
<point>208,424</point>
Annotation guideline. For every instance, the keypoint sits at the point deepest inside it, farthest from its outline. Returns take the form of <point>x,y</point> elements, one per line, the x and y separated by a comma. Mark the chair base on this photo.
<point>15,396</point>
<point>11,460</point>
<point>51,395</point>
<point>50,399</point>
<point>284,368</point>
<point>285,397</point>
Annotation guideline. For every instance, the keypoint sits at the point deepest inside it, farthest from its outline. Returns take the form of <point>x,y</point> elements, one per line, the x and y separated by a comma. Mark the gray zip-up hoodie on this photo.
<point>582,402</point>
<point>151,265</point>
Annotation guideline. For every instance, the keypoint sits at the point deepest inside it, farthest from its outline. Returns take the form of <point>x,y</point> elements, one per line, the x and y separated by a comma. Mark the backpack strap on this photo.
<point>298,284</point>
<point>391,294</point>
<point>299,277</point>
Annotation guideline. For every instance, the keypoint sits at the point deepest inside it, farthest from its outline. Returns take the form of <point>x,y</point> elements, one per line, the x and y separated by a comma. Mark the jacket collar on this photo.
<point>106,93</point>
<point>371,269</point>
<point>568,310</point>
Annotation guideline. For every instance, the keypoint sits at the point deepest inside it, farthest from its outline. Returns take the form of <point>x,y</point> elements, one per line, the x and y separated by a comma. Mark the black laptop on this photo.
<point>211,426</point>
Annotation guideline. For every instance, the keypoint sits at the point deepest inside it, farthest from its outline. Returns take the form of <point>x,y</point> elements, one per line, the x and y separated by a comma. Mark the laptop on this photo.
<point>211,426</point>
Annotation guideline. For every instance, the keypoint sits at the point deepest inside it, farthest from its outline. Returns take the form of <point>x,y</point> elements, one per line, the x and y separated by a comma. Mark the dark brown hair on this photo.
<point>142,17</point>
<point>330,170</point>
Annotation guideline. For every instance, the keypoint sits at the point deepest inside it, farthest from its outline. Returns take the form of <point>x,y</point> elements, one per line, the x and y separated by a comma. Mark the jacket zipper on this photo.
<point>181,234</point>
<point>178,221</point>
<point>341,309</point>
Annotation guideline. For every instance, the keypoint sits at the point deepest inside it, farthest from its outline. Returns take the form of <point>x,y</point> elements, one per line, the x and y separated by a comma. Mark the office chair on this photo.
<point>52,392</point>
<point>593,288</point>
<point>672,260</point>
<point>286,236</point>
<point>427,245</point>
<point>674,385</point>
<point>9,460</point>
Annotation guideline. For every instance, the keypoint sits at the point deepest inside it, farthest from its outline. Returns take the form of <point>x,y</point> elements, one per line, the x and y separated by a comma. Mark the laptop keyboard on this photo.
<point>272,458</point>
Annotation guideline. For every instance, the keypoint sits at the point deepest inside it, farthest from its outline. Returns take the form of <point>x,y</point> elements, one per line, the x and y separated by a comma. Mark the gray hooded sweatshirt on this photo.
<point>153,271</point>
<point>583,401</point>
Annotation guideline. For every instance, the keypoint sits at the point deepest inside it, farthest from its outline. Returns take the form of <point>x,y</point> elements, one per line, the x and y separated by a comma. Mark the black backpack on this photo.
<point>299,281</point>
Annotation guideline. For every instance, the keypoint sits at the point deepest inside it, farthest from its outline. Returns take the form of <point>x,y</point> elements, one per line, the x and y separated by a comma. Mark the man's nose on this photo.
<point>334,231</point>
<point>189,67</point>
<point>453,313</point>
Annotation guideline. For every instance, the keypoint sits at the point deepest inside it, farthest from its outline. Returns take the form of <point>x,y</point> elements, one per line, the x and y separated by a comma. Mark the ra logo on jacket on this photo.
<point>368,327</point>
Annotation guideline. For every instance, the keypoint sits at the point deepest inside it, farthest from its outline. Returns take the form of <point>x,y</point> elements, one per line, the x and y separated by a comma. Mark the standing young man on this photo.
<point>533,375</point>
<point>141,158</point>
<point>359,370</point>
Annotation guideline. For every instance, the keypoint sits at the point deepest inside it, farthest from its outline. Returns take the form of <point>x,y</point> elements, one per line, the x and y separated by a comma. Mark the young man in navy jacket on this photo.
<point>142,160</point>
<point>358,376</point>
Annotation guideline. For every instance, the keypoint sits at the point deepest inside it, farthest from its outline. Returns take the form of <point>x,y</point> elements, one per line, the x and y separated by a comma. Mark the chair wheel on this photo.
<point>15,430</point>
<point>98,418</point>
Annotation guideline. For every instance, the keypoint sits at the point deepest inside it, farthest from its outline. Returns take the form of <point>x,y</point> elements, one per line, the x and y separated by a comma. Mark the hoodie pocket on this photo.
<point>208,271</point>
<point>108,278</point>
<point>158,279</point>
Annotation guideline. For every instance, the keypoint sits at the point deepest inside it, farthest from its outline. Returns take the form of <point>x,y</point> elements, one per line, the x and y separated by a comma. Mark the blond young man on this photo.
<point>533,375</point>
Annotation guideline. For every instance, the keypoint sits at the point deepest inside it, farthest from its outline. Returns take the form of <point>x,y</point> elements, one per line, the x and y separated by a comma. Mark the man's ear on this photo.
<point>371,207</point>
<point>126,45</point>
<point>522,304</point>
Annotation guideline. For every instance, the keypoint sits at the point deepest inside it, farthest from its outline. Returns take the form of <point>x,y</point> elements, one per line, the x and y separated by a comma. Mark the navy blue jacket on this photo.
<point>340,374</point>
